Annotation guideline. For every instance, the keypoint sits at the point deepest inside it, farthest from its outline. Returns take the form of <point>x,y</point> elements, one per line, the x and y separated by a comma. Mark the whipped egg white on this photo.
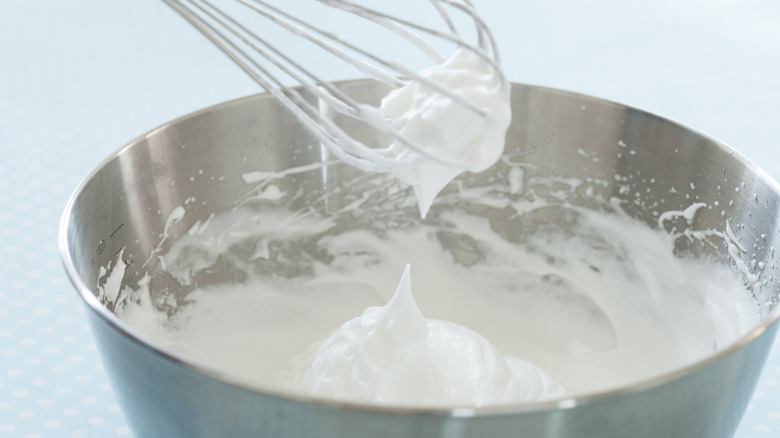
<point>394,355</point>
<point>470,137</point>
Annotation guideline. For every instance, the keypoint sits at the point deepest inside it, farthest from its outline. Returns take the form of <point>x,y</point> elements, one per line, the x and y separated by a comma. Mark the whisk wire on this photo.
<point>369,69</point>
<point>351,151</point>
<point>322,127</point>
<point>485,37</point>
<point>341,102</point>
<point>453,37</point>
<point>297,26</point>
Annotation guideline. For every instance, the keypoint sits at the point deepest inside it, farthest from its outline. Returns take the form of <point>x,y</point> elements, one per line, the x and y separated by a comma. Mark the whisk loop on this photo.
<point>270,66</point>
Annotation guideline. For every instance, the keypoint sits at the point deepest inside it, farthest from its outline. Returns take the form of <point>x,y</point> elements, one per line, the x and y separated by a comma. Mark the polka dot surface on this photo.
<point>81,78</point>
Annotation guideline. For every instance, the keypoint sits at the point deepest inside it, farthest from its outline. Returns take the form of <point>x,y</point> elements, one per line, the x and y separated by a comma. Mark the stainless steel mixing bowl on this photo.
<point>660,164</point>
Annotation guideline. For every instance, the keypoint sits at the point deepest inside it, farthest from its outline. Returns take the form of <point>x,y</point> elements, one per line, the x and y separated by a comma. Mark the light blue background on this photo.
<point>79,78</point>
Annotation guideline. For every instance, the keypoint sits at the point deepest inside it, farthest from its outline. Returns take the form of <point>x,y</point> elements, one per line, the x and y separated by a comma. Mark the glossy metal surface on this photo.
<point>125,201</point>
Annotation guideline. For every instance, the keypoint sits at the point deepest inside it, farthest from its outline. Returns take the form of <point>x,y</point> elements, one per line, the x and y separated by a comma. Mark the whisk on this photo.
<point>270,66</point>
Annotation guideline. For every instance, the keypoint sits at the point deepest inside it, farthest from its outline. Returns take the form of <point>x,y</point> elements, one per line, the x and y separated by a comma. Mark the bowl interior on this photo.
<point>249,157</point>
